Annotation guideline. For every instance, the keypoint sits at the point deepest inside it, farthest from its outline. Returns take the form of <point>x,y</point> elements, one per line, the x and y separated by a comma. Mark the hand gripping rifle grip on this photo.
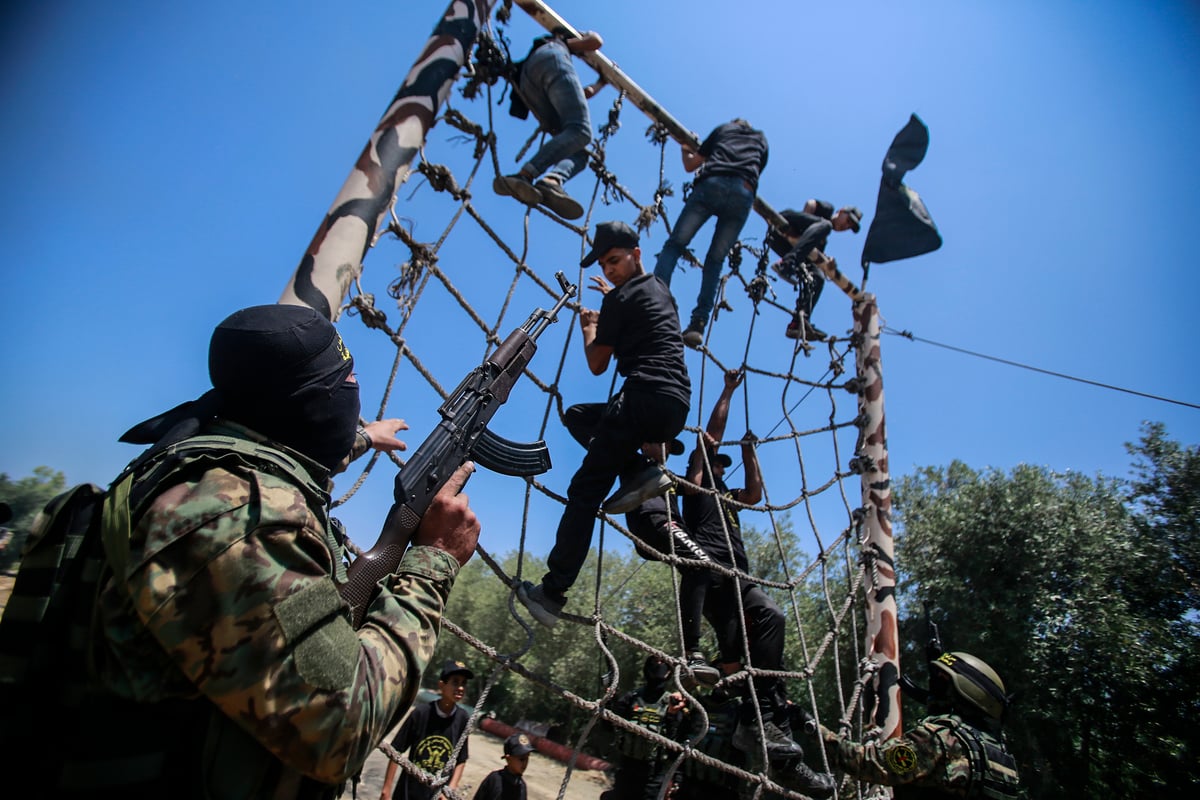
<point>365,572</point>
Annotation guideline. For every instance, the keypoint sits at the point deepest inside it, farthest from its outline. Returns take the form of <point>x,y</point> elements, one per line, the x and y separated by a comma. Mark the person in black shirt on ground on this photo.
<point>507,783</point>
<point>429,735</point>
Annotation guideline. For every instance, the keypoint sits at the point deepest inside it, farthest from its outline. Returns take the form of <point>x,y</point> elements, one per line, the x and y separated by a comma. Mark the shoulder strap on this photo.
<point>142,481</point>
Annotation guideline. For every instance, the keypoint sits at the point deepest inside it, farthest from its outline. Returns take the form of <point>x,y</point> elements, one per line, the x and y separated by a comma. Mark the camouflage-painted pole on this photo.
<point>334,257</point>
<point>871,462</point>
<point>549,19</point>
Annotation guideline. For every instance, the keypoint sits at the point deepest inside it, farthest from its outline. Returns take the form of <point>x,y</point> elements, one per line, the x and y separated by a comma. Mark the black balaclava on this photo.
<point>655,671</point>
<point>281,371</point>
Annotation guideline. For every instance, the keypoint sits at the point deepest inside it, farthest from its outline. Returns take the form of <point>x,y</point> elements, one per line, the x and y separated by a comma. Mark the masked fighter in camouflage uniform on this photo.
<point>226,661</point>
<point>655,707</point>
<point>957,751</point>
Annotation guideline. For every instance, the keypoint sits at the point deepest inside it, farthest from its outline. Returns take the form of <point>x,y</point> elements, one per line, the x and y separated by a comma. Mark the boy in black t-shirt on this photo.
<point>710,513</point>
<point>638,325</point>
<point>508,783</point>
<point>429,735</point>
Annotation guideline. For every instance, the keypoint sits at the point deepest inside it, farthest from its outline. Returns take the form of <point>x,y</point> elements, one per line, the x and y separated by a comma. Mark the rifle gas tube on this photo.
<point>461,434</point>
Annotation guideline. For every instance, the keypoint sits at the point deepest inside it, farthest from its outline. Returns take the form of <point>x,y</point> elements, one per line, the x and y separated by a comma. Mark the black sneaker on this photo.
<point>693,337</point>
<point>517,186</point>
<point>802,329</point>
<point>779,744</point>
<point>785,269</point>
<point>558,201</point>
<point>799,777</point>
<point>650,482</point>
<point>704,673</point>
<point>543,608</point>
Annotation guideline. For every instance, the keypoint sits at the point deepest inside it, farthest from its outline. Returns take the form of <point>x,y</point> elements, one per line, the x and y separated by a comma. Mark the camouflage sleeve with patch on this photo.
<point>923,756</point>
<point>231,576</point>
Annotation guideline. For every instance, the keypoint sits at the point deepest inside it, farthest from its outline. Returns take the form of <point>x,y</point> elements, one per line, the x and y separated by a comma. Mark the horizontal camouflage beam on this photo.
<point>334,257</point>
<point>549,19</point>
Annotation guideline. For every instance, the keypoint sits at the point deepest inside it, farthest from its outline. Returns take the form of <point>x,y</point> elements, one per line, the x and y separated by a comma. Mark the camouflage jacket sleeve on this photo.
<point>230,574</point>
<point>924,756</point>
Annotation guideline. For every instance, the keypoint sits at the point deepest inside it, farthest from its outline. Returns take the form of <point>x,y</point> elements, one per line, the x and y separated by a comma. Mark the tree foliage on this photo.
<point>1081,593</point>
<point>26,497</point>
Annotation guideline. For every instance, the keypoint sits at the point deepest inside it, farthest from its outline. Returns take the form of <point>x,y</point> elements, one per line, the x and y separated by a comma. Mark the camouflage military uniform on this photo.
<point>940,757</point>
<point>226,611</point>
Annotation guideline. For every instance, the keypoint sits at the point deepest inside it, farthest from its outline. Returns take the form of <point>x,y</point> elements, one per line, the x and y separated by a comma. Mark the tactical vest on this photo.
<point>717,743</point>
<point>57,722</point>
<point>993,770</point>
<point>649,716</point>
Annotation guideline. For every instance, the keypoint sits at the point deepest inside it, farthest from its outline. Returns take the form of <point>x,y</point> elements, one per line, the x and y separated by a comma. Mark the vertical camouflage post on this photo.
<point>871,463</point>
<point>334,257</point>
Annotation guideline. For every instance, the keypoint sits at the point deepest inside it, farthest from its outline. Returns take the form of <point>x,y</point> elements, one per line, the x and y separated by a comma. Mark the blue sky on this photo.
<point>166,164</point>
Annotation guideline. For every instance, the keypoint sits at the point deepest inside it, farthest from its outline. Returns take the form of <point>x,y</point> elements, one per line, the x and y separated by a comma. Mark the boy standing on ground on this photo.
<point>508,783</point>
<point>638,324</point>
<point>429,735</point>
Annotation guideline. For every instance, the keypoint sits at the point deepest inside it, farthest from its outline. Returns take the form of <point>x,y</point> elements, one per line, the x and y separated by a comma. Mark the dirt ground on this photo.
<point>6,584</point>
<point>543,777</point>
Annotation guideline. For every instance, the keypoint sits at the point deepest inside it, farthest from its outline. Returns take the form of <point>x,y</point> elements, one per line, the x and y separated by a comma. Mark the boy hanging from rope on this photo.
<point>710,513</point>
<point>807,229</point>
<point>548,85</point>
<point>638,324</point>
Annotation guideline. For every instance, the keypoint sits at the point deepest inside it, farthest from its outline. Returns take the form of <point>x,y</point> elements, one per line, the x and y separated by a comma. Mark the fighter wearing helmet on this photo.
<point>956,751</point>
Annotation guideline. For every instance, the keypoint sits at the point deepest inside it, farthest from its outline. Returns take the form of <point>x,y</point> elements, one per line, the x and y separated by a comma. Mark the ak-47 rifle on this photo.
<point>933,649</point>
<point>462,434</point>
<point>933,645</point>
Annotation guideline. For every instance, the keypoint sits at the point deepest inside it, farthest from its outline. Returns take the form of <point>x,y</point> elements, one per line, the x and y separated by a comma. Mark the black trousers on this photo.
<point>613,434</point>
<point>765,628</point>
<point>812,281</point>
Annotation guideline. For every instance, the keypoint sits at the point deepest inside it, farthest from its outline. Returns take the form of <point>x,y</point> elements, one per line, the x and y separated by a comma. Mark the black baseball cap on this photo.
<point>855,217</point>
<point>517,745</point>
<point>452,667</point>
<point>609,235</point>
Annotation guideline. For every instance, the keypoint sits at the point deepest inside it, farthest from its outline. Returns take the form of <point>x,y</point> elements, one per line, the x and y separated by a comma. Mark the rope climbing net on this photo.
<point>460,281</point>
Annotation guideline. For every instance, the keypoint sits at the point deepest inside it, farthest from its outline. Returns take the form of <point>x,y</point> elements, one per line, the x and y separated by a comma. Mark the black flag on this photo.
<point>902,227</point>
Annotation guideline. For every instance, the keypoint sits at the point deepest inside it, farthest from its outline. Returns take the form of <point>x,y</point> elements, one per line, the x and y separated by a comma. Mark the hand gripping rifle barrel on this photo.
<point>461,434</point>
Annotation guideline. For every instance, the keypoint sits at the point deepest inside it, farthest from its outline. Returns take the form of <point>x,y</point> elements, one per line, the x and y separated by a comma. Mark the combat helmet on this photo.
<point>974,682</point>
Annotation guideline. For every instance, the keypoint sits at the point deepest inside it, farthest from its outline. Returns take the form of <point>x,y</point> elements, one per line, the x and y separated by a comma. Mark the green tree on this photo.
<point>26,497</point>
<point>1164,498</point>
<point>1051,578</point>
